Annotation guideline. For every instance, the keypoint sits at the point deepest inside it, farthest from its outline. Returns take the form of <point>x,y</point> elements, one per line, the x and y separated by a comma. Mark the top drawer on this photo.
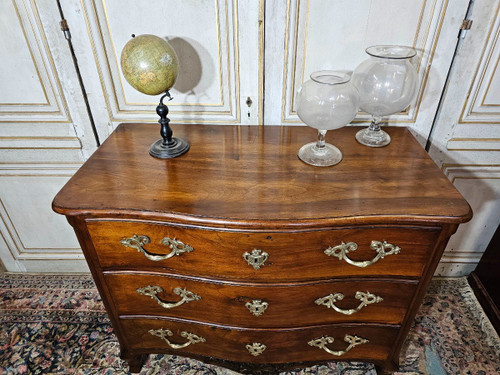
<point>263,256</point>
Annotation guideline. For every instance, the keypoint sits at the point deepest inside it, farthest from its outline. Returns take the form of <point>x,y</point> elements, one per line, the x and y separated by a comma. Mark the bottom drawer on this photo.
<point>362,342</point>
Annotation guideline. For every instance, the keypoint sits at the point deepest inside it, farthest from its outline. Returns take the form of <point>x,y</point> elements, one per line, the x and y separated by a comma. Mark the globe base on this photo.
<point>175,148</point>
<point>325,156</point>
<point>373,138</point>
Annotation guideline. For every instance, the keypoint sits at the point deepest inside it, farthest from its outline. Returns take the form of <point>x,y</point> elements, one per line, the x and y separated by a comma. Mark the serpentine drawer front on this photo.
<point>266,305</point>
<point>290,345</point>
<point>238,254</point>
<point>394,251</point>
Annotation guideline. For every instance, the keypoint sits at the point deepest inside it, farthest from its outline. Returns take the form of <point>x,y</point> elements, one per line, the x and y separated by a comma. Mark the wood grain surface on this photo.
<point>251,176</point>
<point>290,304</point>
<point>283,345</point>
<point>291,255</point>
<point>243,188</point>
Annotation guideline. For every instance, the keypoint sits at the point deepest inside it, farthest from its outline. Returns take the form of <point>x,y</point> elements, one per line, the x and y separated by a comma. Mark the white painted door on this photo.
<point>218,43</point>
<point>465,142</point>
<point>45,135</point>
<point>303,36</point>
<point>46,132</point>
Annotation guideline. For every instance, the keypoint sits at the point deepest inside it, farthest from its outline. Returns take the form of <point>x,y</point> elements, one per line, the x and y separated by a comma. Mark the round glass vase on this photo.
<point>325,102</point>
<point>386,83</point>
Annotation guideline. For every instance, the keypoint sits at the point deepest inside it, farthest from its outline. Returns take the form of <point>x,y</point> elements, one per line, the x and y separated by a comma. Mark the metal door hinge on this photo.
<point>466,25</point>
<point>467,22</point>
<point>65,28</point>
<point>464,28</point>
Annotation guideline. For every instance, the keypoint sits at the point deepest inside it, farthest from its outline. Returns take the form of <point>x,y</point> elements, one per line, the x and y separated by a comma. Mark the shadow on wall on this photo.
<point>197,73</point>
<point>196,68</point>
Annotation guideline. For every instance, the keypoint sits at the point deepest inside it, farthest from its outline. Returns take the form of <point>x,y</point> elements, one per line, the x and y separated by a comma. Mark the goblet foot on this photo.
<point>373,138</point>
<point>325,156</point>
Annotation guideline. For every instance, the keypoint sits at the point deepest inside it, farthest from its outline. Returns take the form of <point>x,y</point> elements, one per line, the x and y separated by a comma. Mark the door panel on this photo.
<point>45,135</point>
<point>45,129</point>
<point>217,46</point>
<point>31,231</point>
<point>466,138</point>
<point>321,34</point>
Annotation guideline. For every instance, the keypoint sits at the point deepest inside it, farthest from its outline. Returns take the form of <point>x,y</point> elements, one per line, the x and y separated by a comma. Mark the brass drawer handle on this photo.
<point>382,248</point>
<point>322,342</point>
<point>256,258</point>
<point>365,298</point>
<point>152,292</point>
<point>138,242</point>
<point>257,307</point>
<point>256,348</point>
<point>165,333</point>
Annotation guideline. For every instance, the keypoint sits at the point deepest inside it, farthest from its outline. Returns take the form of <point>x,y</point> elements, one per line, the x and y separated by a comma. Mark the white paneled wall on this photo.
<point>466,138</point>
<point>45,135</point>
<point>217,42</point>
<point>232,50</point>
<point>323,34</point>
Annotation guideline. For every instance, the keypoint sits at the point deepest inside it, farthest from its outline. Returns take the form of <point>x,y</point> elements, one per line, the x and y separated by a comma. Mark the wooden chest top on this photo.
<point>251,176</point>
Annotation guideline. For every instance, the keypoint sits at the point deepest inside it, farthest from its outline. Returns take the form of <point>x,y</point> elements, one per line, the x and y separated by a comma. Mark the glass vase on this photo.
<point>325,102</point>
<point>386,83</point>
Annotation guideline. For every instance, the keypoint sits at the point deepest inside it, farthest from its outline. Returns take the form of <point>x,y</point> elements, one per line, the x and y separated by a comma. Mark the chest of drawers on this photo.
<point>239,254</point>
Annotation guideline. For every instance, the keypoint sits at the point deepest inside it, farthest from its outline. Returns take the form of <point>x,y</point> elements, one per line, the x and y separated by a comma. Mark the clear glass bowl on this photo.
<point>386,82</point>
<point>325,102</point>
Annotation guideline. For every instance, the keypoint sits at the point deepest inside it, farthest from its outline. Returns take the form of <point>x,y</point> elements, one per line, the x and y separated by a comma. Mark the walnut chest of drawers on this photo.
<point>239,254</point>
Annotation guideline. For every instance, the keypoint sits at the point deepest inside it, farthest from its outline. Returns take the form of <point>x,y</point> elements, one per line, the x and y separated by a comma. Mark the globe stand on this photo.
<point>167,147</point>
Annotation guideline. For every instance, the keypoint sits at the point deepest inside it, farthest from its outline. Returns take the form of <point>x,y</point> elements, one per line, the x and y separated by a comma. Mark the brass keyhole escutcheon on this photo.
<point>257,307</point>
<point>257,258</point>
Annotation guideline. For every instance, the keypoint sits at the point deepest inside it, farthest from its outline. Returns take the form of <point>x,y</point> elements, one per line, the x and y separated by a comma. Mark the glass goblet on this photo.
<point>386,83</point>
<point>327,101</point>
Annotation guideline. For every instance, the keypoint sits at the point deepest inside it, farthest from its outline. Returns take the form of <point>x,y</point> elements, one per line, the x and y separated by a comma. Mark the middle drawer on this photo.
<point>260,305</point>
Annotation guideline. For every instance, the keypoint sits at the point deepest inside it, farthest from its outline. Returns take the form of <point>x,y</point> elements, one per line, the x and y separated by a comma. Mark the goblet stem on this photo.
<point>373,136</point>
<point>320,144</point>
<point>375,124</point>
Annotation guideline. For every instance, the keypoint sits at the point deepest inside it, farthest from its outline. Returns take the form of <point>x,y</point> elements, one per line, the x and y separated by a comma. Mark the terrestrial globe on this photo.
<point>150,65</point>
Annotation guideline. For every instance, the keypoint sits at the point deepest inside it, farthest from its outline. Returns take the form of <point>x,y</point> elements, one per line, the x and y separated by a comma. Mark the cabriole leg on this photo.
<point>135,362</point>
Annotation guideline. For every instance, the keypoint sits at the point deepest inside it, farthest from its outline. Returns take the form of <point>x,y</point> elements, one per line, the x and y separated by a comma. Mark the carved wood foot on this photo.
<point>381,371</point>
<point>387,369</point>
<point>135,362</point>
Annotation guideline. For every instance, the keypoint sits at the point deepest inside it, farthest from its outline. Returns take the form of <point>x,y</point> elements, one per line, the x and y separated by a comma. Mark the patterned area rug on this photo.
<point>56,324</point>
